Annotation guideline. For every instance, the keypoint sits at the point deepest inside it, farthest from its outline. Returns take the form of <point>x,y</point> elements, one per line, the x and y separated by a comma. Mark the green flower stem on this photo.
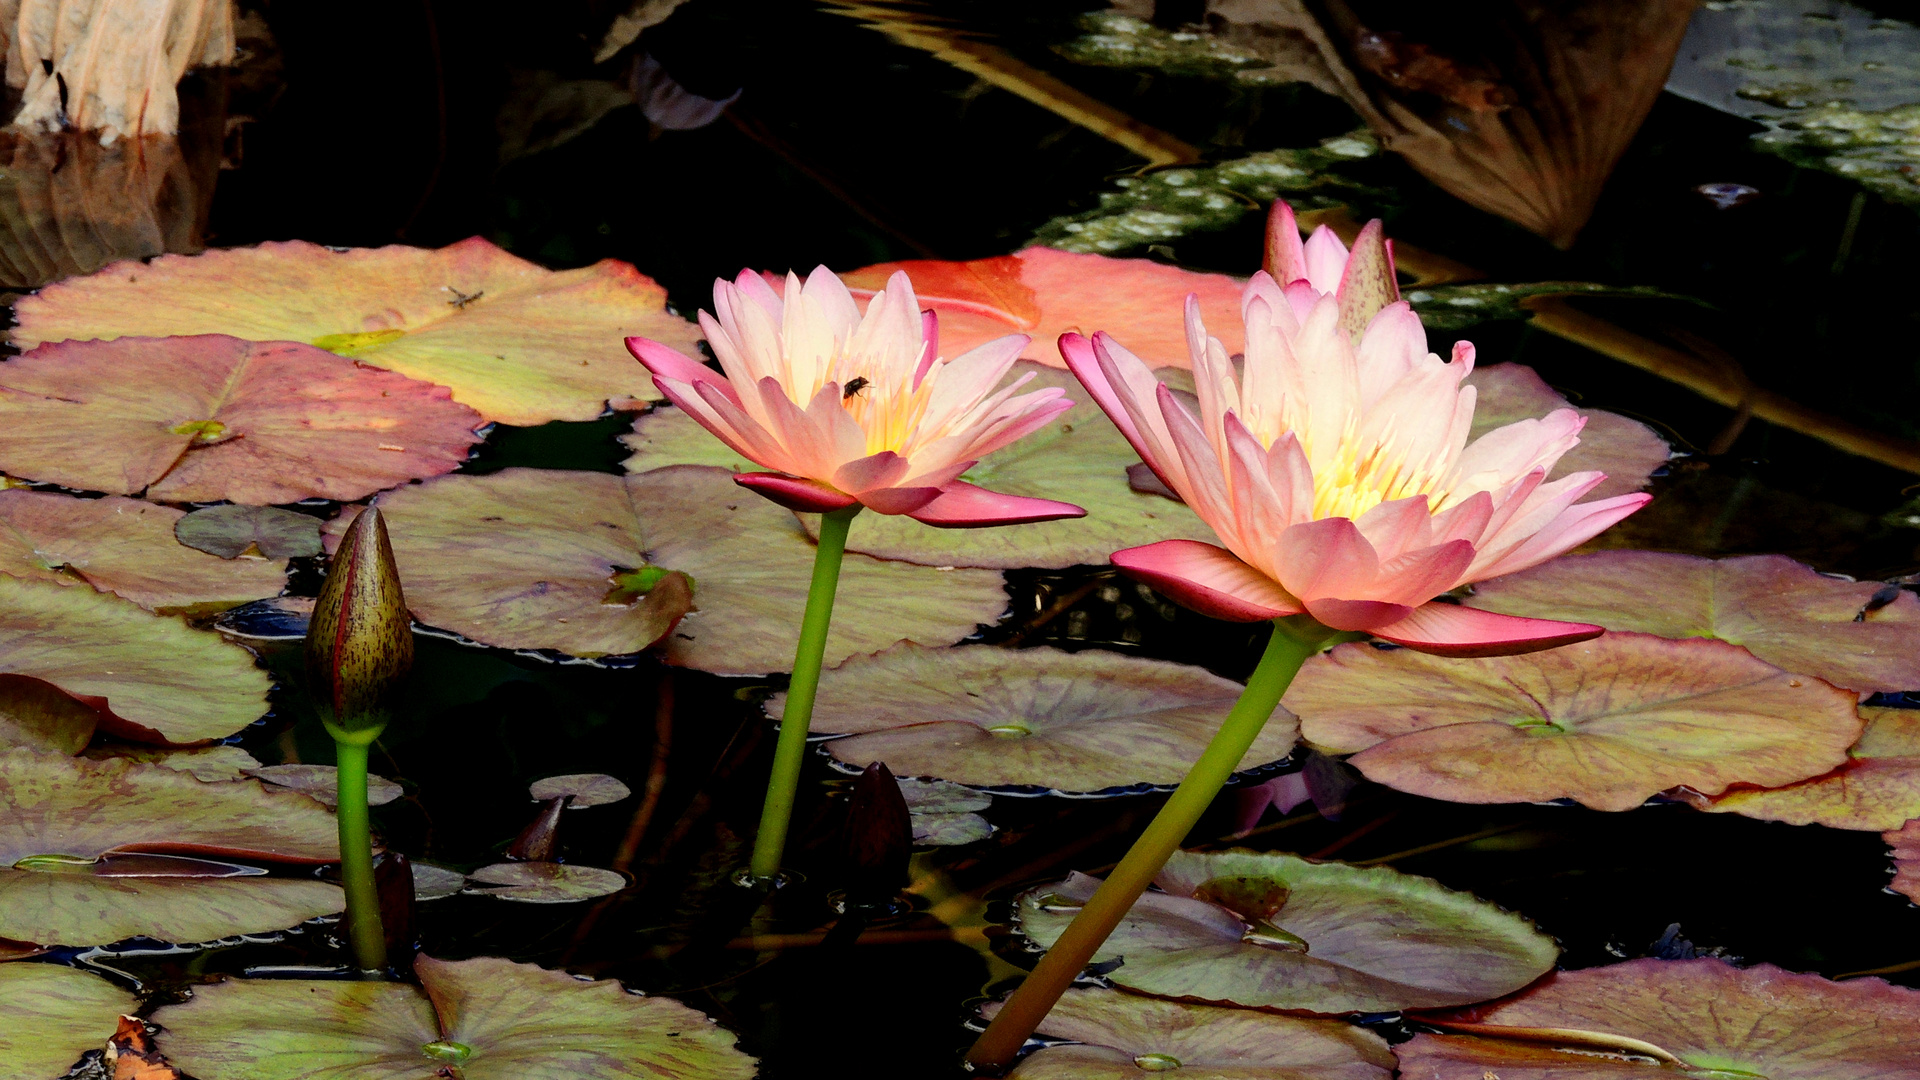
<point>1294,639</point>
<point>797,718</point>
<point>366,936</point>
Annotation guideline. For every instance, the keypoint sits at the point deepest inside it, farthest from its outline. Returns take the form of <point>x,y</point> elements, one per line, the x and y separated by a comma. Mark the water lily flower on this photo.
<point>849,409</point>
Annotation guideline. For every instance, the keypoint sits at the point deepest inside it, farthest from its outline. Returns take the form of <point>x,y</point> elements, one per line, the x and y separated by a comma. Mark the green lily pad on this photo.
<point>1120,1036</point>
<point>989,717</point>
<point>1877,788</point>
<point>207,418</point>
<point>1696,1018</point>
<point>491,1018</point>
<point>152,677</point>
<point>210,763</point>
<point>50,1015</point>
<point>321,783</point>
<point>1609,722</point>
<point>71,828</point>
<point>36,714</point>
<point>126,547</point>
<point>520,344</point>
<point>1280,932</point>
<point>533,559</point>
<point>1080,458</point>
<point>1625,449</point>
<point>231,530</point>
<point>1862,635</point>
<point>586,789</point>
<point>545,882</point>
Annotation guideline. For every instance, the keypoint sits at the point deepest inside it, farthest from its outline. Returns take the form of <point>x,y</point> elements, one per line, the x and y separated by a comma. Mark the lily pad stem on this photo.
<point>797,717</point>
<point>1294,639</point>
<point>365,935</point>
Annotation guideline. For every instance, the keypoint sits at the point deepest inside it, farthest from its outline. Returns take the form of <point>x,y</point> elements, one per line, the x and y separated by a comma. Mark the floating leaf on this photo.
<point>1608,722</point>
<point>50,1015</point>
<point>126,547</point>
<point>532,559</point>
<point>1705,1017</point>
<point>1118,1035</point>
<point>157,679</point>
<point>432,882</point>
<point>1877,788</point>
<point>941,813</point>
<point>231,530</point>
<point>520,344</point>
<point>1861,635</point>
<point>200,419</point>
<point>1456,307</point>
<point>490,1018</point>
<point>1080,457</point>
<point>1625,449</point>
<point>321,783</point>
<point>546,882</point>
<point>1343,939</point>
<point>1906,859</point>
<point>587,789</point>
<point>36,714</point>
<point>210,763</point>
<point>1084,721</point>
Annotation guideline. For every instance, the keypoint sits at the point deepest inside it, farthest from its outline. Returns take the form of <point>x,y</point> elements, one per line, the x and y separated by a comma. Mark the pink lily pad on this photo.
<point>125,547</point>
<point>545,882</point>
<point>519,344</point>
<point>1609,722</point>
<point>1677,1018</point>
<point>1877,788</point>
<point>1625,449</point>
<point>1858,634</point>
<point>50,1015</point>
<point>212,417</point>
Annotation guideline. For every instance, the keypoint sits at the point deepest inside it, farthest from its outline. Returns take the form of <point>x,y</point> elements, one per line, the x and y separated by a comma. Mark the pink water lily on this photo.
<point>1336,468</point>
<point>846,407</point>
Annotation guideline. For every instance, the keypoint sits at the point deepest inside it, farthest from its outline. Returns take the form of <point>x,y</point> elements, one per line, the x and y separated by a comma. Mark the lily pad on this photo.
<point>536,559</point>
<point>152,677</point>
<point>520,344</point>
<point>126,547</point>
<point>1119,1036</point>
<point>1700,1018</point>
<point>1280,932</point>
<point>432,882</point>
<point>941,813</point>
<point>545,882</point>
<point>949,830</point>
<point>209,763</point>
<point>1905,842</point>
<point>36,714</point>
<point>1625,449</point>
<point>1079,457</point>
<point>321,783</point>
<point>1608,722</point>
<point>1877,788</point>
<point>1862,635</point>
<point>587,789</point>
<point>490,1018</point>
<point>232,530</point>
<point>50,1015</point>
<point>206,418</point>
<point>1033,718</point>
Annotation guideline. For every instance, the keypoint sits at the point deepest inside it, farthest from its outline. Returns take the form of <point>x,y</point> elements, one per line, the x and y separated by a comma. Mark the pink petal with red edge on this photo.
<point>1452,630</point>
<point>659,360</point>
<point>1286,261</point>
<point>794,493</point>
<point>1207,579</point>
<point>1356,614</point>
<point>964,506</point>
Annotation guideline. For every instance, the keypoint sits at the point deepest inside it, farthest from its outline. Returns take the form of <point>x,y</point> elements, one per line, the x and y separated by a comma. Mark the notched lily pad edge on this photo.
<point>1258,774</point>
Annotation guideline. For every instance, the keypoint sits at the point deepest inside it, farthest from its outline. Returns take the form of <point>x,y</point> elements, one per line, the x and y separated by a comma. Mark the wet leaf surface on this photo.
<point>206,418</point>
<point>1713,1019</point>
<point>586,789</point>
<point>1042,718</point>
<point>491,1018</point>
<point>1782,611</point>
<point>209,763</point>
<point>39,715</point>
<point>1877,788</point>
<point>1625,449</point>
<point>1120,1035</point>
<point>1375,940</point>
<point>161,680</point>
<point>230,531</point>
<point>545,882</point>
<point>1608,722</point>
<point>126,547</point>
<point>526,559</point>
<point>520,344</point>
<point>50,1015</point>
<point>321,783</point>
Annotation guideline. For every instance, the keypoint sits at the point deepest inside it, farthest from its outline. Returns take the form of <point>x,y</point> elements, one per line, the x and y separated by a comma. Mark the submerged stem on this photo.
<point>1294,639</point>
<point>797,717</point>
<point>365,935</point>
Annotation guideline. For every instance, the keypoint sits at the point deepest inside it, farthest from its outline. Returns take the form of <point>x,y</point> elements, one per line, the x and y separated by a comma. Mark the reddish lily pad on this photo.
<point>1680,1018</point>
<point>1862,635</point>
<point>586,789</point>
<point>1905,842</point>
<point>125,547</point>
<point>211,417</point>
<point>321,783</point>
<point>36,714</point>
<point>1280,932</point>
<point>152,677</point>
<point>545,882</point>
<point>520,344</point>
<point>543,559</point>
<point>1608,722</point>
<point>492,1019</point>
<point>51,1015</point>
<point>1078,722</point>
<point>1625,449</point>
<point>1079,457</point>
<point>233,530</point>
<point>1877,788</point>
<point>1119,1036</point>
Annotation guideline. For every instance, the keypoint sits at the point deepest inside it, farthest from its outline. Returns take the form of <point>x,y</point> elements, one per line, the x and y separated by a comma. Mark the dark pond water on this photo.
<point>846,145</point>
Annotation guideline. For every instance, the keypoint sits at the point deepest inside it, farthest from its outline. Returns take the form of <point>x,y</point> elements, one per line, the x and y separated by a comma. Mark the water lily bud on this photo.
<point>360,642</point>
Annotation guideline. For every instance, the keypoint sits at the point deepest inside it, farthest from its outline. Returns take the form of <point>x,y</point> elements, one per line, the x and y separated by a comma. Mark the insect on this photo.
<point>461,300</point>
<point>854,386</point>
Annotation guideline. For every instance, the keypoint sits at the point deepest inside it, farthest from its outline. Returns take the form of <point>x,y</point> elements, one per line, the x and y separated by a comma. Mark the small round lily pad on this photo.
<point>1032,718</point>
<point>1280,932</point>
<point>1121,1036</point>
<point>587,789</point>
<point>231,530</point>
<point>50,1015</point>
<point>1877,788</point>
<point>1609,722</point>
<point>1862,635</point>
<point>321,783</point>
<point>432,882</point>
<point>545,882</point>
